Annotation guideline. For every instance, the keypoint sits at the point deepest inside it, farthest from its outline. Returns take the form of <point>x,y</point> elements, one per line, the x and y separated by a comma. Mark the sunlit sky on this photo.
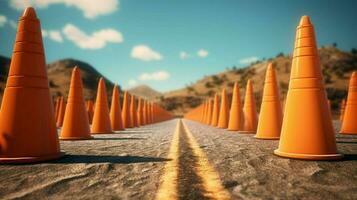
<point>168,44</point>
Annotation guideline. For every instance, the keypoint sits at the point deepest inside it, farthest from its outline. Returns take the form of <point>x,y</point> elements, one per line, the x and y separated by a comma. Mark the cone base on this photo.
<point>347,133</point>
<point>111,132</point>
<point>20,160</point>
<point>308,156</point>
<point>232,129</point>
<point>247,132</point>
<point>76,138</point>
<point>266,138</point>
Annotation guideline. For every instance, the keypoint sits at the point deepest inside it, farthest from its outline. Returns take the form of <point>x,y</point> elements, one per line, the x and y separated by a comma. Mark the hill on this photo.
<point>59,75</point>
<point>337,65</point>
<point>145,91</point>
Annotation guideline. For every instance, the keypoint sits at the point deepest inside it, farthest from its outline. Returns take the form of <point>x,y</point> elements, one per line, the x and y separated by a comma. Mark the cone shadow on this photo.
<point>74,159</point>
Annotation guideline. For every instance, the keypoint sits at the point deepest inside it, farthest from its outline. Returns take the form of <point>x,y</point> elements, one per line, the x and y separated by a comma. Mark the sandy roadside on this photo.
<point>127,165</point>
<point>249,170</point>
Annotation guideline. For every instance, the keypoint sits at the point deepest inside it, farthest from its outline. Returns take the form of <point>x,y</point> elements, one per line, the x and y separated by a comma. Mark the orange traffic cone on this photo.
<point>349,125</point>
<point>140,112</point>
<point>57,107</point>
<point>271,115</point>
<point>27,126</point>
<point>90,111</point>
<point>147,113</point>
<point>236,112</point>
<point>145,120</point>
<point>307,131</point>
<point>204,112</point>
<point>76,123</point>
<point>61,111</point>
<point>249,110</point>
<point>125,113</point>
<point>215,112</point>
<point>342,109</point>
<point>101,119</point>
<point>133,114</point>
<point>115,111</point>
<point>209,112</point>
<point>223,113</point>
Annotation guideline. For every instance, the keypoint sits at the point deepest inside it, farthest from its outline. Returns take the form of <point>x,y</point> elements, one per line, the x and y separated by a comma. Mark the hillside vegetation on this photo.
<point>336,65</point>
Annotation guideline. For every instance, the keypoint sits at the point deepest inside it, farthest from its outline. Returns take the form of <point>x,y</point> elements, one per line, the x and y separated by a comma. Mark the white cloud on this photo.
<point>132,82</point>
<point>155,76</point>
<point>44,33</point>
<point>13,24</point>
<point>202,53</point>
<point>248,60</point>
<point>90,8</point>
<point>145,53</point>
<point>3,20</point>
<point>96,40</point>
<point>53,35</point>
<point>184,55</point>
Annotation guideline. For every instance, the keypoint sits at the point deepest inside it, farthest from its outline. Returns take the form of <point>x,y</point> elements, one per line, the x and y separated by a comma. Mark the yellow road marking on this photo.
<point>210,178</point>
<point>211,182</point>
<point>168,187</point>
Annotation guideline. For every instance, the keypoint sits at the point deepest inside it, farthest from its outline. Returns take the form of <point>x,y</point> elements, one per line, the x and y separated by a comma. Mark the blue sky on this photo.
<point>167,44</point>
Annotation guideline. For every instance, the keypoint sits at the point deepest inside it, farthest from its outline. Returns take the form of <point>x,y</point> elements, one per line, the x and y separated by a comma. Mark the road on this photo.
<point>181,159</point>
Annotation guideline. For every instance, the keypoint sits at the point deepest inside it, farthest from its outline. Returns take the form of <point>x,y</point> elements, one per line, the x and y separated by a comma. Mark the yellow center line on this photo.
<point>211,181</point>
<point>168,187</point>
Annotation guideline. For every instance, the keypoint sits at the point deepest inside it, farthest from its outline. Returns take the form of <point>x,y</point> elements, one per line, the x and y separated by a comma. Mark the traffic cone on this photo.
<point>152,112</point>
<point>57,107</point>
<point>209,112</point>
<point>147,112</point>
<point>342,109</point>
<point>76,123</point>
<point>204,112</point>
<point>27,127</point>
<point>145,120</point>
<point>223,113</point>
<point>90,110</point>
<point>125,113</point>
<point>271,115</point>
<point>249,110</point>
<point>140,112</point>
<point>215,112</point>
<point>307,131</point>
<point>61,111</point>
<point>101,120</point>
<point>133,114</point>
<point>349,125</point>
<point>115,111</point>
<point>236,112</point>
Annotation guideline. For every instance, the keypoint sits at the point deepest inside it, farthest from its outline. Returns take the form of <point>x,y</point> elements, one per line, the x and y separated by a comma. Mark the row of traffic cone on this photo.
<point>244,118</point>
<point>78,115</point>
<point>28,118</point>
<point>305,130</point>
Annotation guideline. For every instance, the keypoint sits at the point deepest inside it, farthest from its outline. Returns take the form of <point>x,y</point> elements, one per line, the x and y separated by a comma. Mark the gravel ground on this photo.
<point>126,165</point>
<point>249,170</point>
